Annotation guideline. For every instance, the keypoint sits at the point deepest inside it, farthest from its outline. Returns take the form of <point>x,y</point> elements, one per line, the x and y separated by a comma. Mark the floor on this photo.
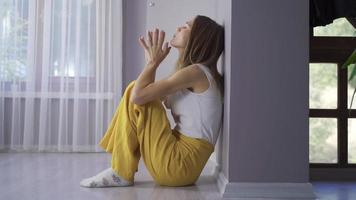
<point>52,176</point>
<point>44,176</point>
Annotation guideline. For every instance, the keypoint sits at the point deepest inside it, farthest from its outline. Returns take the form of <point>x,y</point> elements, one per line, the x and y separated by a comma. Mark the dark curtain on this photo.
<point>323,12</point>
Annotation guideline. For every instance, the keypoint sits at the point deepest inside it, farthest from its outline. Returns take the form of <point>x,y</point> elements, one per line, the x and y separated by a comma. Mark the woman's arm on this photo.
<point>146,88</point>
<point>146,77</point>
<point>183,78</point>
<point>154,54</point>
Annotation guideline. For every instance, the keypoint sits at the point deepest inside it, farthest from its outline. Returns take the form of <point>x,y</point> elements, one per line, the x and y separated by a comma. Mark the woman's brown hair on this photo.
<point>205,45</point>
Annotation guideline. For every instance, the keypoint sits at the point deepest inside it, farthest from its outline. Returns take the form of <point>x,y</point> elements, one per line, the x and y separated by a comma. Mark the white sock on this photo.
<point>106,178</point>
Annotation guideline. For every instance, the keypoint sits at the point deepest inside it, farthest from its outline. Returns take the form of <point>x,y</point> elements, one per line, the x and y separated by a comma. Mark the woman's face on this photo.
<point>180,38</point>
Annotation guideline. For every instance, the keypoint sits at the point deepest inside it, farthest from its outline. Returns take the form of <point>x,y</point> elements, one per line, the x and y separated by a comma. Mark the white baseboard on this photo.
<point>254,190</point>
<point>212,158</point>
<point>221,180</point>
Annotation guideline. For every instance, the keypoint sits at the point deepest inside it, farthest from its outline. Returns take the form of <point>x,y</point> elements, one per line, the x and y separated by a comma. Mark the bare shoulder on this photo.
<point>190,77</point>
<point>190,74</point>
<point>187,77</point>
<point>190,70</point>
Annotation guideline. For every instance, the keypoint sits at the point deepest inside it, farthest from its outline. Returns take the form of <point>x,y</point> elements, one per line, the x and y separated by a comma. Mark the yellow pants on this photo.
<point>172,159</point>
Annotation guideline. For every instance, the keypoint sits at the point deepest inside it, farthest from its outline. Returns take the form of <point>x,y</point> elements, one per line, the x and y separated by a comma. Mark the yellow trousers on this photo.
<point>172,159</point>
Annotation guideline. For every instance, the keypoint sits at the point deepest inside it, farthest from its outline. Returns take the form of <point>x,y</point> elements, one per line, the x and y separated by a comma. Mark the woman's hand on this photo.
<point>154,54</point>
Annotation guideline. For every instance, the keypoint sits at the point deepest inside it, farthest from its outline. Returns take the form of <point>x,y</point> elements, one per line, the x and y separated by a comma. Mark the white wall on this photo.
<point>168,15</point>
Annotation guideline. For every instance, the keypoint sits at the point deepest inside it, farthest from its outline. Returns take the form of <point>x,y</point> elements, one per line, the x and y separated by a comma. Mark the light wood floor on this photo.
<point>54,176</point>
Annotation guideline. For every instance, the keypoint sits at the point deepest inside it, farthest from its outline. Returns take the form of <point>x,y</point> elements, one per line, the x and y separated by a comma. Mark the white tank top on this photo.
<point>198,115</point>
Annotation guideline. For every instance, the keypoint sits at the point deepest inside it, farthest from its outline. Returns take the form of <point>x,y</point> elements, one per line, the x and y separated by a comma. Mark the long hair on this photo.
<point>205,45</point>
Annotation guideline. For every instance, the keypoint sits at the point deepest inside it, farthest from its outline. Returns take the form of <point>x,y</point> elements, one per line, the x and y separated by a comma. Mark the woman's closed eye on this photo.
<point>180,28</point>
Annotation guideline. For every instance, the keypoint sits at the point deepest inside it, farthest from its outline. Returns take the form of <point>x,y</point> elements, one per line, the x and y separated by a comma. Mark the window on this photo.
<point>13,39</point>
<point>60,72</point>
<point>332,128</point>
<point>323,85</point>
<point>71,42</point>
<point>69,21</point>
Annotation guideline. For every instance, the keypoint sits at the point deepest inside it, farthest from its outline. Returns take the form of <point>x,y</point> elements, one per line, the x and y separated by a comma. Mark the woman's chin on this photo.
<point>172,44</point>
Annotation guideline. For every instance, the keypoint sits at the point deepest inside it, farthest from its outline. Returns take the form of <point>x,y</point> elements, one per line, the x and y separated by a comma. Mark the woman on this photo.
<point>194,93</point>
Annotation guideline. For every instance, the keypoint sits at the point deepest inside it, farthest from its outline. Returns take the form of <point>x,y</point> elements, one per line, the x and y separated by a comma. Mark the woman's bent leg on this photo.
<point>138,130</point>
<point>171,158</point>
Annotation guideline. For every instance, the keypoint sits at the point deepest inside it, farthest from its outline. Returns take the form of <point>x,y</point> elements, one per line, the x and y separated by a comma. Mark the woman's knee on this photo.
<point>129,87</point>
<point>132,83</point>
<point>155,102</point>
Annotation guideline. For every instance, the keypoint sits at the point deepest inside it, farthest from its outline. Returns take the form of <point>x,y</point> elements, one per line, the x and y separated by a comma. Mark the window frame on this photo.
<point>334,49</point>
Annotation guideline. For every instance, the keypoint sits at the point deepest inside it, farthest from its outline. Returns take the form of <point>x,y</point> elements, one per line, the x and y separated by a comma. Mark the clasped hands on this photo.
<point>154,53</point>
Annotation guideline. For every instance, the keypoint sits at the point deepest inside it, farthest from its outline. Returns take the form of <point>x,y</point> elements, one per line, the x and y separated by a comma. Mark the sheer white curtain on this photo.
<point>60,73</point>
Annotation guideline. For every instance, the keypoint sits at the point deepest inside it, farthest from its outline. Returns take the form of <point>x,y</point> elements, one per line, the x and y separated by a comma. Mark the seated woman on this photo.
<point>194,93</point>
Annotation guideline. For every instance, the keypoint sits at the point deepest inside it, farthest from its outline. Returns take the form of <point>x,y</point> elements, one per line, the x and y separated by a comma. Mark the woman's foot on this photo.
<point>106,178</point>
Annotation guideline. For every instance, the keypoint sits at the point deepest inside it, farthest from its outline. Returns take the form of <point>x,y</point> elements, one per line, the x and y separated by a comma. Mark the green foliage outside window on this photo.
<point>323,137</point>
